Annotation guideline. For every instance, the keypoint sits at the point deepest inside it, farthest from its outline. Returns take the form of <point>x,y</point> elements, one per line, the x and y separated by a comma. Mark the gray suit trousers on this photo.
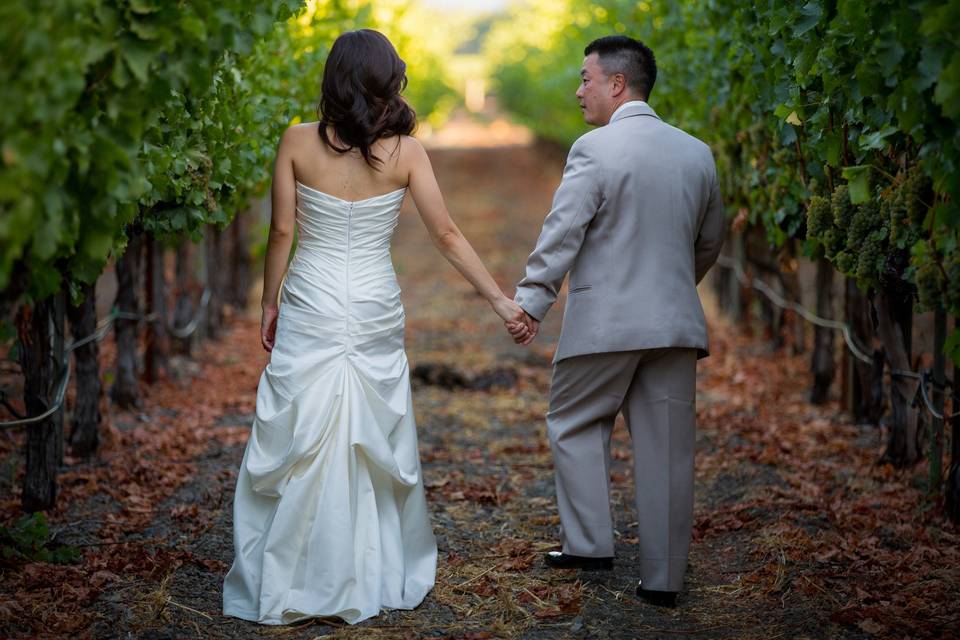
<point>656,390</point>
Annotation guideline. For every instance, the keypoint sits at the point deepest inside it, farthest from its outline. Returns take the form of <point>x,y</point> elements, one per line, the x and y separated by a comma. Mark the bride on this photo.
<point>330,516</point>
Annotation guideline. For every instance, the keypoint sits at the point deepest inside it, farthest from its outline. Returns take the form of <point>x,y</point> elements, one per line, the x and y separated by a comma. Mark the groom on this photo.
<point>637,220</point>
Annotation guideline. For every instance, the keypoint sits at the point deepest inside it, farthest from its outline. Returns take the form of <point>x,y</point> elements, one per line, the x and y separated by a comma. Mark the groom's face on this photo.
<point>595,93</point>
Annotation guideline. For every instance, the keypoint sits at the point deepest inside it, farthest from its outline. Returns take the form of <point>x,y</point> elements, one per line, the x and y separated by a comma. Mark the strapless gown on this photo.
<point>330,515</point>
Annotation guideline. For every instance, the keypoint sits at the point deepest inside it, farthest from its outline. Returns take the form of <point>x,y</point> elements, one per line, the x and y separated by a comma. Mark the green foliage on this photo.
<point>28,539</point>
<point>123,110</point>
<point>91,90</point>
<point>408,25</point>
<point>852,101</point>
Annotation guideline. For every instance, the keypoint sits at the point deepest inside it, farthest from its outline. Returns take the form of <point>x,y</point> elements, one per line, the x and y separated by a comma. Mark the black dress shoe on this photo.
<point>560,560</point>
<point>658,598</point>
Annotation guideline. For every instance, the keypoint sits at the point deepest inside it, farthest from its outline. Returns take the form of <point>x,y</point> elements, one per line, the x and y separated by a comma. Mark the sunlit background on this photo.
<point>469,6</point>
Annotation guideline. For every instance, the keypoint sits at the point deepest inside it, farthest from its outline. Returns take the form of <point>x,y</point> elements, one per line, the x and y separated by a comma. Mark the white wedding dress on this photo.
<point>330,516</point>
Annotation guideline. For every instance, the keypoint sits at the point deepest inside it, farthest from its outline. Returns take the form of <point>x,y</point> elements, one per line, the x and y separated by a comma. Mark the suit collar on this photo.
<point>633,108</point>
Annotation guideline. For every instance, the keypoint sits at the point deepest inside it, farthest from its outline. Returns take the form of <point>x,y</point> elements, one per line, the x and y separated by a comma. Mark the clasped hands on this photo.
<point>521,326</point>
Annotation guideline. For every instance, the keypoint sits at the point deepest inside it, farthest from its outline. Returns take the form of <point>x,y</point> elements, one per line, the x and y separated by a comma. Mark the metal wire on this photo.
<point>103,328</point>
<point>761,286</point>
<point>187,330</point>
<point>926,377</point>
<point>805,313</point>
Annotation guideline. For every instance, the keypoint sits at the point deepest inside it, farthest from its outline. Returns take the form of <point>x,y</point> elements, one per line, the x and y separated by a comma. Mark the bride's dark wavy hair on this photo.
<point>360,94</point>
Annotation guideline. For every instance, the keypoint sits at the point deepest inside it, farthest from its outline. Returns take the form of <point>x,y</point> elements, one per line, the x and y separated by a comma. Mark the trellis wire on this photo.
<point>103,328</point>
<point>761,286</point>
<point>722,261</point>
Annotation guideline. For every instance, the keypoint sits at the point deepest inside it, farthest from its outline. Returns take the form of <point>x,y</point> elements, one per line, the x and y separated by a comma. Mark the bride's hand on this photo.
<point>522,327</point>
<point>268,327</point>
<point>508,310</point>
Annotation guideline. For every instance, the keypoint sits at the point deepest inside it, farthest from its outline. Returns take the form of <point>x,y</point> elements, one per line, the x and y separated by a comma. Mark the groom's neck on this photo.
<point>620,103</point>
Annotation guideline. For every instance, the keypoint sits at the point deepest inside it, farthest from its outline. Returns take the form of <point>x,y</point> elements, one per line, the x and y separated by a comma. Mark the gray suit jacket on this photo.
<point>637,221</point>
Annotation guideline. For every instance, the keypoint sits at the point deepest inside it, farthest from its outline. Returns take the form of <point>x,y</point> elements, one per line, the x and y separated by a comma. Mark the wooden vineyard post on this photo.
<point>939,381</point>
<point>126,389</point>
<point>184,287</point>
<point>952,492</point>
<point>59,366</point>
<point>86,419</point>
<point>157,347</point>
<point>895,326</point>
<point>213,270</point>
<point>822,365</point>
<point>40,477</point>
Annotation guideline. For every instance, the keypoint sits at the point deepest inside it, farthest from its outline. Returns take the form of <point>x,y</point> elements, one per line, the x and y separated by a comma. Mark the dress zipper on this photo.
<point>347,270</point>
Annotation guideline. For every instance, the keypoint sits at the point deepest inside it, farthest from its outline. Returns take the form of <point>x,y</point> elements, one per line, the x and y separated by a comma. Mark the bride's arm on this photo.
<point>447,237</point>
<point>283,214</point>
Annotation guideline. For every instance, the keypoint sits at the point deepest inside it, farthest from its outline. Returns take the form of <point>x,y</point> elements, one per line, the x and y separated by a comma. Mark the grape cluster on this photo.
<point>865,220</point>
<point>841,207</point>
<point>782,156</point>
<point>952,267</point>
<point>819,217</point>
<point>930,283</point>
<point>869,261</point>
<point>893,210</point>
<point>912,189</point>
<point>845,261</point>
<point>906,211</point>
<point>832,241</point>
<point>937,279</point>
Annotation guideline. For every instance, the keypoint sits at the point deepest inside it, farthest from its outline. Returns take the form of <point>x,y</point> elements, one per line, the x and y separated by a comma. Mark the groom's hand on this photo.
<point>523,332</point>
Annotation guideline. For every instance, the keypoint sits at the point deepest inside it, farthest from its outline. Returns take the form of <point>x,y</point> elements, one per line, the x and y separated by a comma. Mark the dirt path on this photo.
<point>797,533</point>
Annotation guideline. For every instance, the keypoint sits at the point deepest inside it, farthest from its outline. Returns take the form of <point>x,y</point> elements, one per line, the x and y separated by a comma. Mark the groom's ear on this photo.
<point>618,84</point>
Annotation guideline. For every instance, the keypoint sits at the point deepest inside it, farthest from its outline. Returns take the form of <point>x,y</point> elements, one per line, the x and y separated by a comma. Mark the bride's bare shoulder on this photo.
<point>305,127</point>
<point>410,142</point>
<point>297,134</point>
<point>411,150</point>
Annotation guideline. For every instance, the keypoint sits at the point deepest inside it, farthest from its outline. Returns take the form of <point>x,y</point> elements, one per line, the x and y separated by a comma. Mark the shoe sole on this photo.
<point>655,602</point>
<point>584,566</point>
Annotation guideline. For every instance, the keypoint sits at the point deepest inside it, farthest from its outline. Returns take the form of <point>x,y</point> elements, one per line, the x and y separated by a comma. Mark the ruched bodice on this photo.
<point>330,514</point>
<point>326,221</point>
<point>342,267</point>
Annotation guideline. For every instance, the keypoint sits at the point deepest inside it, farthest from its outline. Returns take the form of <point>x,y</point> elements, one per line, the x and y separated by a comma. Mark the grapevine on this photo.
<point>858,96</point>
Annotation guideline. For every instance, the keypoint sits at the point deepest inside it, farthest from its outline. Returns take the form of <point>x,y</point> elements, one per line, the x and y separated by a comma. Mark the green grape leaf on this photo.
<point>858,180</point>
<point>876,140</point>
<point>810,15</point>
<point>97,244</point>
<point>194,26</point>
<point>889,53</point>
<point>143,6</point>
<point>946,215</point>
<point>138,57</point>
<point>833,147</point>
<point>929,67</point>
<point>145,29</point>
<point>783,111</point>
<point>947,93</point>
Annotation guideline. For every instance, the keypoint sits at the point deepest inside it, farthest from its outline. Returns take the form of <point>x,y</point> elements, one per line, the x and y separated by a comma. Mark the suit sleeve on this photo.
<point>710,237</point>
<point>575,204</point>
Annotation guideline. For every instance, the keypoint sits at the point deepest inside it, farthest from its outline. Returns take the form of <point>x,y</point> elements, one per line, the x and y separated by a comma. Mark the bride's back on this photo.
<point>346,212</point>
<point>347,176</point>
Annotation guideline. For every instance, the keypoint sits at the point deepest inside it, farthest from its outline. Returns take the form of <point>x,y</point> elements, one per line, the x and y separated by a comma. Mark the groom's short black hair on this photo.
<point>632,58</point>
